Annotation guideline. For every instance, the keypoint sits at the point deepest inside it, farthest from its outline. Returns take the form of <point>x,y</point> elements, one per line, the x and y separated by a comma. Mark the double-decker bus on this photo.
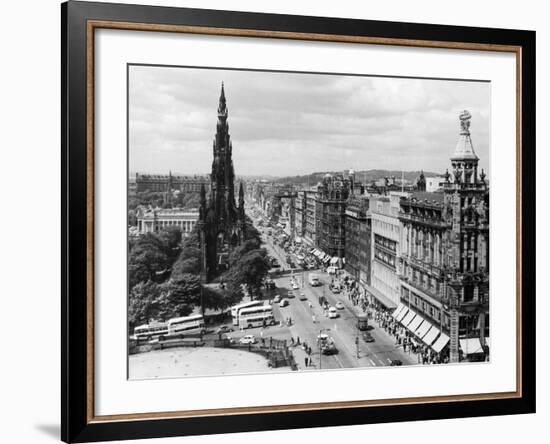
<point>236,308</point>
<point>186,325</point>
<point>256,316</point>
<point>150,331</point>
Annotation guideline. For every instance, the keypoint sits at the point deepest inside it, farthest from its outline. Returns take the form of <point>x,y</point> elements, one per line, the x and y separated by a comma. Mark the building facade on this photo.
<point>445,254</point>
<point>331,198</point>
<point>155,220</point>
<point>159,182</point>
<point>299,214</point>
<point>358,239</point>
<point>385,241</point>
<point>310,217</point>
<point>221,221</point>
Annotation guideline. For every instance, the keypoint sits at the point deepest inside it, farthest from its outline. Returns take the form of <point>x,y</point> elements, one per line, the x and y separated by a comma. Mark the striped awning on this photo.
<point>429,337</point>
<point>402,314</point>
<point>440,343</point>
<point>423,329</point>
<point>415,323</point>
<point>398,310</point>
<point>408,318</point>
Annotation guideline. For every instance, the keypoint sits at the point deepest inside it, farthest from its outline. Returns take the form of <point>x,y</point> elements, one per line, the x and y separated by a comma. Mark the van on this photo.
<point>313,280</point>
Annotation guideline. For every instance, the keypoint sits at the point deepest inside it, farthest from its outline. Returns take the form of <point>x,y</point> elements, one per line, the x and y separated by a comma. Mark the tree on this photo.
<point>250,270</point>
<point>189,257</point>
<point>144,303</point>
<point>170,239</point>
<point>179,296</point>
<point>147,260</point>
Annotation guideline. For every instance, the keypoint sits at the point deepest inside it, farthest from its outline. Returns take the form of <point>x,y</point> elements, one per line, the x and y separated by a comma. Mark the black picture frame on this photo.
<point>77,425</point>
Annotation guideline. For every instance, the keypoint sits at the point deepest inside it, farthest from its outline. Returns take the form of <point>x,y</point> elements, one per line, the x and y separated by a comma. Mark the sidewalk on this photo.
<point>358,311</point>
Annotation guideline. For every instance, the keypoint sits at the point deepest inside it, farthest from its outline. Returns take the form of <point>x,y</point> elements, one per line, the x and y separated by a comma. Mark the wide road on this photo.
<point>309,320</point>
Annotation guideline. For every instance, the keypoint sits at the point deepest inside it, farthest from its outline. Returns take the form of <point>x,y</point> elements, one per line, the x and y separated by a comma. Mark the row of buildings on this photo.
<point>424,247</point>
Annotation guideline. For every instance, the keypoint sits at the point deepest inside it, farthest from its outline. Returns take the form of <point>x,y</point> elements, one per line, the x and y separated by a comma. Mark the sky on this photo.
<point>285,124</point>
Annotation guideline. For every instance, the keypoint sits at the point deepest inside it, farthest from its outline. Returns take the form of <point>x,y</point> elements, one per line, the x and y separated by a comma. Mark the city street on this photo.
<point>308,320</point>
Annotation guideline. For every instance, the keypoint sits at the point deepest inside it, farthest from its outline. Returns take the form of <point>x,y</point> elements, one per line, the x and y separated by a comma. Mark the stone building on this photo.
<point>160,183</point>
<point>155,220</point>
<point>310,217</point>
<point>331,198</point>
<point>445,256</point>
<point>385,237</point>
<point>221,221</point>
<point>358,239</point>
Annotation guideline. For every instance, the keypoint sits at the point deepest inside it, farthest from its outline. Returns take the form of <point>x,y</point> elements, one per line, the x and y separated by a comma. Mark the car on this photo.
<point>224,329</point>
<point>367,337</point>
<point>395,362</point>
<point>335,289</point>
<point>302,297</point>
<point>284,302</point>
<point>339,305</point>
<point>248,339</point>
<point>329,349</point>
<point>290,295</point>
<point>332,313</point>
<point>277,299</point>
<point>295,286</point>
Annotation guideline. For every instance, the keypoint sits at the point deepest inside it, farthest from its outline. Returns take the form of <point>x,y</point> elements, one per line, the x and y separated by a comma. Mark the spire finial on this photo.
<point>465,118</point>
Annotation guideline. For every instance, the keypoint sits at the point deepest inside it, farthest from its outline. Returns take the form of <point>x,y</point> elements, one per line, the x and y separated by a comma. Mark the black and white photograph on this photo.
<point>303,222</point>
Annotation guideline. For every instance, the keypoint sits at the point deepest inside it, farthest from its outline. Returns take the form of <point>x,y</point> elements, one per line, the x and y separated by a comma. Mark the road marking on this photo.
<point>372,362</point>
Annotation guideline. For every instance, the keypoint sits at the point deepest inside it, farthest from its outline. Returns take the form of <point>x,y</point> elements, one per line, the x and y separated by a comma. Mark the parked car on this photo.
<point>290,295</point>
<point>248,339</point>
<point>339,305</point>
<point>277,299</point>
<point>302,297</point>
<point>332,313</point>
<point>367,337</point>
<point>284,302</point>
<point>224,329</point>
<point>295,286</point>
<point>395,362</point>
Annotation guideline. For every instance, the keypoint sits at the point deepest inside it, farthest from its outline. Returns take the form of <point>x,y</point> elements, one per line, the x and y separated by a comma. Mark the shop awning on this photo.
<point>402,314</point>
<point>415,323</point>
<point>407,319</point>
<point>398,310</point>
<point>430,336</point>
<point>440,343</point>
<point>471,346</point>
<point>422,329</point>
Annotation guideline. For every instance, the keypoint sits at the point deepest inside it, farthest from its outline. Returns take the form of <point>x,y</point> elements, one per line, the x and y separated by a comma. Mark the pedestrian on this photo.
<point>292,340</point>
<point>298,340</point>
<point>305,361</point>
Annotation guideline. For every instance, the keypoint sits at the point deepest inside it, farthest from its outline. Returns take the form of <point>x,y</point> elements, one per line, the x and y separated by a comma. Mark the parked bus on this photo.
<point>236,308</point>
<point>256,316</point>
<point>150,331</point>
<point>186,325</point>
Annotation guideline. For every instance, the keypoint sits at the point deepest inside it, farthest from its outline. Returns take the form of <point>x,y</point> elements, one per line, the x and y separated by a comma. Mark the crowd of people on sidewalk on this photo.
<point>384,319</point>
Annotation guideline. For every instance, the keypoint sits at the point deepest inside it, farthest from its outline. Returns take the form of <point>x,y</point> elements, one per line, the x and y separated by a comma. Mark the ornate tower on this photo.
<point>421,182</point>
<point>466,294</point>
<point>223,222</point>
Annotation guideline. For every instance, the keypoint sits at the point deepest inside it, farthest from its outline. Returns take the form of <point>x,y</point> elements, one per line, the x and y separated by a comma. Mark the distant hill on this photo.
<point>361,176</point>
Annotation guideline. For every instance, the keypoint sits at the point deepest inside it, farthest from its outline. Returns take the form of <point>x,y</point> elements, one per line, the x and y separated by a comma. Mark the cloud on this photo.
<point>290,123</point>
